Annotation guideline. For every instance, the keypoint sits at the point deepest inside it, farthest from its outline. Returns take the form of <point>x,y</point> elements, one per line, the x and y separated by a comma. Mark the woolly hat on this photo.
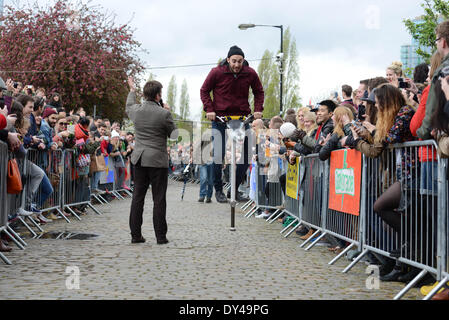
<point>287,129</point>
<point>48,112</point>
<point>235,51</point>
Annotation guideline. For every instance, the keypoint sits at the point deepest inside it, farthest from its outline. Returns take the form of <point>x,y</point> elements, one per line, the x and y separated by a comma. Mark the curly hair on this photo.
<point>389,101</point>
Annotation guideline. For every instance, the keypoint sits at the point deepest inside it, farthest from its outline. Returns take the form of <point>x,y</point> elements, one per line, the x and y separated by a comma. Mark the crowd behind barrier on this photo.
<point>55,164</point>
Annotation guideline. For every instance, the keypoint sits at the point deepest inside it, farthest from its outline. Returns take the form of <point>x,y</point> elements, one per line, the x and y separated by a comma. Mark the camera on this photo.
<point>15,85</point>
<point>403,84</point>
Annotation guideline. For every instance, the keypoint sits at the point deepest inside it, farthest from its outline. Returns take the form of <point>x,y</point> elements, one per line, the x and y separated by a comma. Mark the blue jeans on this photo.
<point>429,178</point>
<point>206,180</point>
<point>46,191</point>
<point>219,142</point>
<point>94,180</point>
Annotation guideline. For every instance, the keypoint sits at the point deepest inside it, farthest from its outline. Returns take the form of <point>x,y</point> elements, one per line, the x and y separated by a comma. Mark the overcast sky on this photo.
<point>339,42</point>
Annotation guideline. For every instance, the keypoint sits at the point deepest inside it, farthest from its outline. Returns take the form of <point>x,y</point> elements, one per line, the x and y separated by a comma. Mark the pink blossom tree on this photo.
<point>79,53</point>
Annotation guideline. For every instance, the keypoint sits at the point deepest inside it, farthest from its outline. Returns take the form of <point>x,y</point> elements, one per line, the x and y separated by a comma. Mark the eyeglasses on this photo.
<point>63,123</point>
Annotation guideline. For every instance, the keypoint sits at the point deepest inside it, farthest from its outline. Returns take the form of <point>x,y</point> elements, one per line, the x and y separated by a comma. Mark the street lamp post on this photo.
<point>280,57</point>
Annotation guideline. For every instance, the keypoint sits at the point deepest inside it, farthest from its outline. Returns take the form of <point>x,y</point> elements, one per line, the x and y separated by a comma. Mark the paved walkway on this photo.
<point>203,260</point>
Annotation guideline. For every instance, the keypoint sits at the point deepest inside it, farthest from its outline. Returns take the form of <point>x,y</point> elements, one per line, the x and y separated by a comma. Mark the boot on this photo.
<point>393,275</point>
<point>308,235</point>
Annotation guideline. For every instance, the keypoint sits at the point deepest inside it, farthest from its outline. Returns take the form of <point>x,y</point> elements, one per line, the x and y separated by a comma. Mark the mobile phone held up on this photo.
<point>403,84</point>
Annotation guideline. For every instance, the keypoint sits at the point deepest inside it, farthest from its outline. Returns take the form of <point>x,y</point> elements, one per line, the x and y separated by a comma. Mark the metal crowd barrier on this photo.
<point>52,164</point>
<point>420,241</point>
<point>76,189</point>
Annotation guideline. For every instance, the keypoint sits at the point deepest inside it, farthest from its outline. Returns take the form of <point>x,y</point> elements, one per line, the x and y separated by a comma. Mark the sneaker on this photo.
<point>221,198</point>
<point>23,213</point>
<point>34,209</point>
<point>208,200</point>
<point>264,215</point>
<point>201,199</point>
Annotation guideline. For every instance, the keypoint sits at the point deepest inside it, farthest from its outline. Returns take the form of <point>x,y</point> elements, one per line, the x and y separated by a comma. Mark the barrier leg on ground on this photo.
<point>316,241</point>
<point>27,226</point>
<point>288,227</point>
<point>73,212</point>
<point>251,212</point>
<point>10,230</point>
<point>94,209</point>
<point>410,285</point>
<point>13,239</point>
<point>341,254</point>
<point>281,212</point>
<point>293,229</point>
<point>34,223</point>
<point>436,289</point>
<point>353,263</point>
<point>310,238</point>
<point>246,205</point>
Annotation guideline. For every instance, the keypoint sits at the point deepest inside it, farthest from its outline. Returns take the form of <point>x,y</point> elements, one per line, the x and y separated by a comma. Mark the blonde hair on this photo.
<point>339,112</point>
<point>309,115</point>
<point>302,110</point>
<point>435,62</point>
<point>396,67</point>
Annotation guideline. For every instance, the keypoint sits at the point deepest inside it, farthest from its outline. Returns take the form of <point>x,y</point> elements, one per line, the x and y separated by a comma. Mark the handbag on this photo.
<point>97,163</point>
<point>14,181</point>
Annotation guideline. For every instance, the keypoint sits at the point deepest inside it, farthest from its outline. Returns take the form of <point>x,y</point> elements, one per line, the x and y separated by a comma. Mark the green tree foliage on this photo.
<point>184,102</point>
<point>424,31</point>
<point>269,76</point>
<point>172,93</point>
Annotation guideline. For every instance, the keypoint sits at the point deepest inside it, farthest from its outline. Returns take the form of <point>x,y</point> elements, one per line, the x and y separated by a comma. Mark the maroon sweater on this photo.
<point>230,92</point>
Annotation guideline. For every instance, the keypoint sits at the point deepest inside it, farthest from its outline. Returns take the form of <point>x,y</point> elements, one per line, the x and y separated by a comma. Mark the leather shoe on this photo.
<point>392,276</point>
<point>221,198</point>
<point>201,199</point>
<point>444,295</point>
<point>162,241</point>
<point>4,247</point>
<point>138,240</point>
<point>208,200</point>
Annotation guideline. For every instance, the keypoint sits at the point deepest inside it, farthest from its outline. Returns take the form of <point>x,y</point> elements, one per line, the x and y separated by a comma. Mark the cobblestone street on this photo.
<point>203,260</point>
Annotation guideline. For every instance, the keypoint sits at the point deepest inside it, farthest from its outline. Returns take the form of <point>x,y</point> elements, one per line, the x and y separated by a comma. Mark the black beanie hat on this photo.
<point>235,51</point>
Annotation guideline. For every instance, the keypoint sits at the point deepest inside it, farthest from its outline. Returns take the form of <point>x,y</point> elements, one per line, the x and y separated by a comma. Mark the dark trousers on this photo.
<point>158,178</point>
<point>219,142</point>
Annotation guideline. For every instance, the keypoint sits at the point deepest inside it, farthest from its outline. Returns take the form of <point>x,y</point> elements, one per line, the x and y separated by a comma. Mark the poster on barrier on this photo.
<point>292,181</point>
<point>108,175</point>
<point>344,181</point>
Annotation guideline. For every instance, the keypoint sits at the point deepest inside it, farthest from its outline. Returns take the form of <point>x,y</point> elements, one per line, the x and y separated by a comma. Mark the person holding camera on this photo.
<point>153,126</point>
<point>229,83</point>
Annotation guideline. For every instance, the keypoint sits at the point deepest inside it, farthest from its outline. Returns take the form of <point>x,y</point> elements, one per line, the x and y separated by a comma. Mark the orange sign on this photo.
<point>345,180</point>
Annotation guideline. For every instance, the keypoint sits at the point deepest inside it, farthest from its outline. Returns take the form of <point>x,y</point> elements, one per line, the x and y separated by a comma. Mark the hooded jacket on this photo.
<point>230,91</point>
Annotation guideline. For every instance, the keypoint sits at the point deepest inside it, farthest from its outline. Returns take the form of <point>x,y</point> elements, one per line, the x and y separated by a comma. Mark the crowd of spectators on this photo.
<point>382,111</point>
<point>38,129</point>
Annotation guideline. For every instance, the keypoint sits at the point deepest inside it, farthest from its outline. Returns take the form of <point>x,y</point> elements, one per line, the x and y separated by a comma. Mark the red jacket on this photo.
<point>230,92</point>
<point>415,124</point>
